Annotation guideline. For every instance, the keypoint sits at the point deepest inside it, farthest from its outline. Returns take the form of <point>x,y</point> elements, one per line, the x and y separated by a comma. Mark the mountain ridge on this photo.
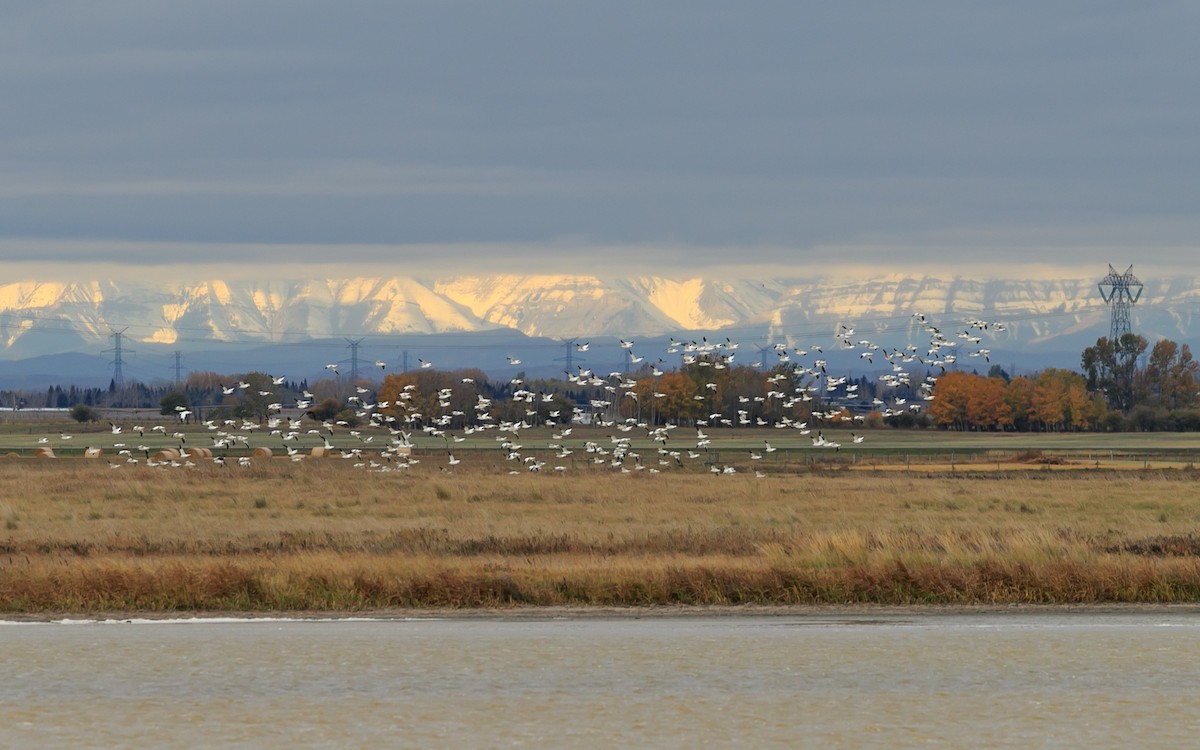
<point>1059,315</point>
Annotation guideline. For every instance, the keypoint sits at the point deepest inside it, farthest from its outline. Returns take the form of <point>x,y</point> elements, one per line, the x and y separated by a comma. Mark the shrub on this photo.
<point>83,413</point>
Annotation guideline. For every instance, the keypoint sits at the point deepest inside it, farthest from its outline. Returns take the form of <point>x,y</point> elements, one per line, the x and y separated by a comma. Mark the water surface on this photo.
<point>1063,679</point>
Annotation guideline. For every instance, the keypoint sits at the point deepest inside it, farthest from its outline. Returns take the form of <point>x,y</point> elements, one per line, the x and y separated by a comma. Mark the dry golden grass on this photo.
<point>80,537</point>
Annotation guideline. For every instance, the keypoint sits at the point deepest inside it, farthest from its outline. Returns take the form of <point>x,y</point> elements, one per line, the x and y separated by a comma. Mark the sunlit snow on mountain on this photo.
<point>41,318</point>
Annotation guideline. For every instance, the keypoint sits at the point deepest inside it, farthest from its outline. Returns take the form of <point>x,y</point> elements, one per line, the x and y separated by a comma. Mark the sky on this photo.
<point>302,138</point>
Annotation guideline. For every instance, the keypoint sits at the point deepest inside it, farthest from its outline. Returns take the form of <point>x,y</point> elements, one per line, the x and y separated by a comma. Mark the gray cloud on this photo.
<point>671,135</point>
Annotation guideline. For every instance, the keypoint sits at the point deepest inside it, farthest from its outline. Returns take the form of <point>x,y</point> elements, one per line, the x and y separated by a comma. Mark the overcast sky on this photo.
<point>673,137</point>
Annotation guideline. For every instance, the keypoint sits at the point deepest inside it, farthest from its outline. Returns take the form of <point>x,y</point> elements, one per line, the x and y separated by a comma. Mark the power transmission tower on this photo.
<point>354,358</point>
<point>118,362</point>
<point>178,367</point>
<point>762,355</point>
<point>1120,291</point>
<point>569,359</point>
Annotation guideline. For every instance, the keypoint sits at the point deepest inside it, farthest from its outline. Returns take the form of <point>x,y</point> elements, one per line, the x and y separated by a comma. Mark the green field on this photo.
<point>791,449</point>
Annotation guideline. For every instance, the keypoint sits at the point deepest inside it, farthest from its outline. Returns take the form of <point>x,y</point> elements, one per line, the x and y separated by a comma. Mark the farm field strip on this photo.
<point>79,537</point>
<point>24,438</point>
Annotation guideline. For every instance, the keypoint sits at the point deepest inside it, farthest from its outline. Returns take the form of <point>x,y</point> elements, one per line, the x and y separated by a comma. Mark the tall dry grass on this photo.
<point>80,537</point>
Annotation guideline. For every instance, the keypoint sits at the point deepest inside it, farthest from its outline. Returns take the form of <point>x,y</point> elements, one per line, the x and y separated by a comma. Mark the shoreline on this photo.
<point>551,613</point>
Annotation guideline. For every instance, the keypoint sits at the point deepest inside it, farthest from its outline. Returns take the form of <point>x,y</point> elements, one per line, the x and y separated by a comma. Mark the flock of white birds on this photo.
<point>390,431</point>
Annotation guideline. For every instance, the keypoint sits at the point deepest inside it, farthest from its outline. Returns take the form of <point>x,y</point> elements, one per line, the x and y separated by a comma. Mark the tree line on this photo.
<point>1121,387</point>
<point>1124,384</point>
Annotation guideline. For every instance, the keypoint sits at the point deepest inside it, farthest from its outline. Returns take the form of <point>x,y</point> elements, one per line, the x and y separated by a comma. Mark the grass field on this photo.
<point>70,438</point>
<point>276,535</point>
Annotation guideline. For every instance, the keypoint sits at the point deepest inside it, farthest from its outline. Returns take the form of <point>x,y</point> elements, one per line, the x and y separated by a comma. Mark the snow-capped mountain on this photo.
<point>566,306</point>
<point>42,318</point>
<point>271,311</point>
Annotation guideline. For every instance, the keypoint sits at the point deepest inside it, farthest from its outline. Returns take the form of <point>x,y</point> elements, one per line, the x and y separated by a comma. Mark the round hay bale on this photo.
<point>320,451</point>
<point>93,452</point>
<point>10,454</point>
<point>200,452</point>
<point>44,452</point>
<point>262,452</point>
<point>167,454</point>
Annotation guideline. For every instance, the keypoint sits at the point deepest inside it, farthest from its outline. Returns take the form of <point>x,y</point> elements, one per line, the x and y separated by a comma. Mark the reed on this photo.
<point>80,537</point>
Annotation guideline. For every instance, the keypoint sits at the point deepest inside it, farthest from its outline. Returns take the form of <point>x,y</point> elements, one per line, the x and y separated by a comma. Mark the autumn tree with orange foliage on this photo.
<point>951,395</point>
<point>673,398</point>
<point>1018,394</point>
<point>417,404</point>
<point>1053,400</point>
<point>986,407</point>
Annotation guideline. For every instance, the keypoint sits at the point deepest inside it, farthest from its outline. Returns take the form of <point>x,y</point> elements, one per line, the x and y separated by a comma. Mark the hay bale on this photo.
<point>167,454</point>
<point>321,451</point>
<point>93,452</point>
<point>262,452</point>
<point>44,452</point>
<point>200,452</point>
